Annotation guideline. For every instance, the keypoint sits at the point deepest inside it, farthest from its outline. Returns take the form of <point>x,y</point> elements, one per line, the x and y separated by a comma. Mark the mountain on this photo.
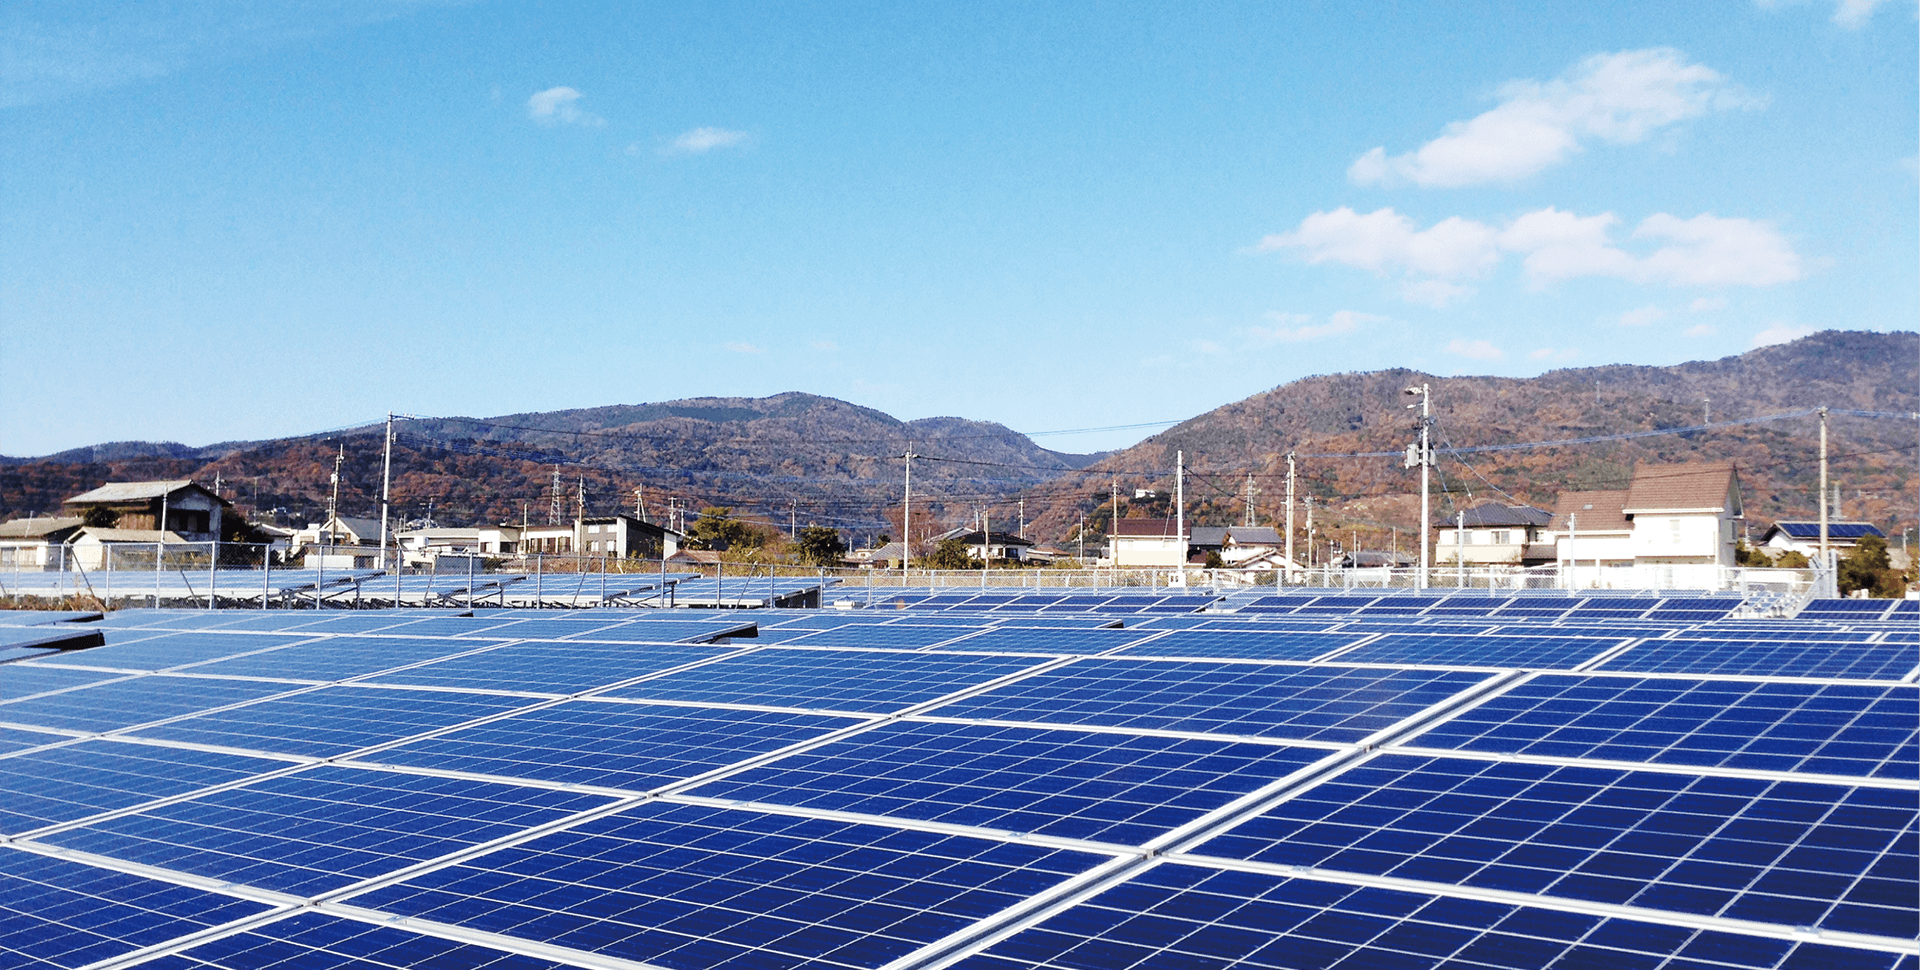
<point>1872,459</point>
<point>800,458</point>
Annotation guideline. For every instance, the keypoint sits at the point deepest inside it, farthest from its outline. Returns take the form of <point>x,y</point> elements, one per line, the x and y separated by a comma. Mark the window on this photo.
<point>1676,530</point>
<point>1502,537</point>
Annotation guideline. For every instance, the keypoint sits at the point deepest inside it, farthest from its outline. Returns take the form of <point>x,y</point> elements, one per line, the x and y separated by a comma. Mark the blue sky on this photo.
<point>221,222</point>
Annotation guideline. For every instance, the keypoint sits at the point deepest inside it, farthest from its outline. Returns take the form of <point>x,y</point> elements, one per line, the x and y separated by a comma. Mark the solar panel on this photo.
<point>1039,640</point>
<point>60,913</point>
<point>1869,731</point>
<point>868,635</point>
<point>1206,918</point>
<point>340,658</point>
<point>694,886</point>
<point>318,941</point>
<point>825,679</point>
<point>1779,658</point>
<point>549,666</point>
<point>131,701</point>
<point>612,744</point>
<point>1059,782</point>
<point>1339,704</point>
<point>1500,650</point>
<point>330,721</point>
<point>75,781</point>
<point>168,650</point>
<point>323,828</point>
<point>1780,852</point>
<point>1244,644</point>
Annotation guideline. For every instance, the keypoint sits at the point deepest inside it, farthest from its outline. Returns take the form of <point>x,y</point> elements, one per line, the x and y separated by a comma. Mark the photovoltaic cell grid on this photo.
<point>1117,749</point>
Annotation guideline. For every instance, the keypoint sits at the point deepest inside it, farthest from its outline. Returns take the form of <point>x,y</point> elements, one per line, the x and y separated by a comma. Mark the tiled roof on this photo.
<point>1130,527</point>
<point>128,492</point>
<point>1597,511</point>
<point>1493,514</point>
<point>1255,535</point>
<point>1699,485</point>
<point>36,527</point>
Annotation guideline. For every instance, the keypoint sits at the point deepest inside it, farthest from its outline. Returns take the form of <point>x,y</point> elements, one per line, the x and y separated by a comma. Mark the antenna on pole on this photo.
<point>333,497</point>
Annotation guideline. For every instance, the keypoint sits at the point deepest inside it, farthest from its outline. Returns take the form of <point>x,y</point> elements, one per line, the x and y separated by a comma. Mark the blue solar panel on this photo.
<point>1244,644</point>
<point>548,666</point>
<point>888,637</point>
<point>315,941</point>
<point>70,782</point>
<point>56,913</point>
<point>323,828</point>
<point>1342,704</point>
<point>1772,658</point>
<point>664,631</point>
<point>134,700</point>
<point>1825,729</point>
<point>612,744</point>
<point>333,720</point>
<point>1530,651</point>
<point>1074,784</point>
<point>339,658</point>
<point>1196,918</point>
<point>1778,852</point>
<point>843,680</point>
<point>179,649</point>
<point>29,679</point>
<point>691,886</point>
<point>1036,640</point>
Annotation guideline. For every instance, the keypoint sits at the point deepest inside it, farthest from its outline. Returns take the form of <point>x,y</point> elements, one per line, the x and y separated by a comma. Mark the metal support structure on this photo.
<point>1826,551</point>
<point>1180,512</point>
<point>1290,473</point>
<point>386,490</point>
<point>1421,454</point>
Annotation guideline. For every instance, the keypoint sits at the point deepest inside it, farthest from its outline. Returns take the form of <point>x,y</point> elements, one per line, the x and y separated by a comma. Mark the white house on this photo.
<point>1147,542</point>
<point>620,536</point>
<point>1804,537</point>
<point>36,543</point>
<point>997,545</point>
<point>1490,534</point>
<point>1668,515</point>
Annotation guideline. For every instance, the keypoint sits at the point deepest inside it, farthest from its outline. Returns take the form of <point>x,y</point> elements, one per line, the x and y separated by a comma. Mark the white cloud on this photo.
<point>559,106</point>
<point>701,140</point>
<point>1433,293</point>
<point>1781,333</point>
<point>1702,330</point>
<point>1707,304</point>
<point>1854,14</point>
<point>744,348</point>
<point>1295,327</point>
<point>1383,238</point>
<point>1475,350</point>
<point>1560,355</point>
<point>1618,98</point>
<point>1643,317</point>
<point>1554,246</point>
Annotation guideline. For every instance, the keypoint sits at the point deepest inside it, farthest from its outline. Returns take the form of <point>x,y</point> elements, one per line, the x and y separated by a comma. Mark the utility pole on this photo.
<point>906,516</point>
<point>1422,454</point>
<point>793,519</point>
<point>386,488</point>
<point>1290,470</point>
<point>1180,510</point>
<point>1250,493</point>
<point>1826,560</point>
<point>1707,415</point>
<point>640,502</point>
<point>1082,535</point>
<point>333,497</point>
<point>1309,530</point>
<point>1023,517</point>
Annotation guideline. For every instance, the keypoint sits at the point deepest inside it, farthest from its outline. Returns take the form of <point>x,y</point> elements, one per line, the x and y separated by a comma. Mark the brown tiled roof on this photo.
<point>37,527</point>
<point>1698,485</point>
<point>1146,527</point>
<point>1598,511</point>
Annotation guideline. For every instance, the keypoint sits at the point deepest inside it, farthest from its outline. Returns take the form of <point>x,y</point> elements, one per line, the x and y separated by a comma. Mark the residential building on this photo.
<point>1147,542</point>
<point>340,542</point>
<point>1804,537</point>
<point>620,536</point>
<point>97,549</point>
<point>37,543</point>
<point>1491,534</point>
<point>994,545</point>
<point>1234,544</point>
<point>1668,515</point>
<point>182,507</point>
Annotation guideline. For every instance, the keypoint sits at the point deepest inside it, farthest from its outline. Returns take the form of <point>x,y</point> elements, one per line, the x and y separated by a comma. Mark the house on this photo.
<point>1804,537</point>
<point>1147,542</point>
<point>1668,515</point>
<point>340,542</point>
<point>425,545</point>
<point>620,536</point>
<point>1491,534</point>
<point>182,507</point>
<point>995,545</point>
<point>36,543</point>
<point>888,555</point>
<point>98,549</point>
<point>1234,544</point>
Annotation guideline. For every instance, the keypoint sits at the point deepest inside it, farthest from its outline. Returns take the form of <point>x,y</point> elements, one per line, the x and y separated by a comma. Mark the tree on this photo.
<point>718,529</point>
<point>818,545</point>
<point>1214,561</point>
<point>1792,559</point>
<point>1868,567</point>
<point>1746,555</point>
<point>99,517</point>
<point>951,554</point>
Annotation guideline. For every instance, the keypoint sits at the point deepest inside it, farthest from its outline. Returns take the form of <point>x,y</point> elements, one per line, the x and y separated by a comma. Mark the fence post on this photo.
<point>213,567</point>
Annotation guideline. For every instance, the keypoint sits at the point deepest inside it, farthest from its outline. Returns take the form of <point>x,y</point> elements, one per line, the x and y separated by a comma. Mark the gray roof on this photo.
<point>1256,535</point>
<point>1497,515</point>
<point>364,528</point>
<point>133,535</point>
<point>131,492</point>
<point>36,528</point>
<point>1207,535</point>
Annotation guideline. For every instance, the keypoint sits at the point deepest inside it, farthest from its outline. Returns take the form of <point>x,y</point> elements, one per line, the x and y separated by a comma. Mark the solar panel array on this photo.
<point>1009,784</point>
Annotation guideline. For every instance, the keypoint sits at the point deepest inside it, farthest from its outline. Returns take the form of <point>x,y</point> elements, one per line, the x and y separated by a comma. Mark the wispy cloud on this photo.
<point>739,347</point>
<point>1554,246</point>
<point>1297,327</point>
<point>702,140</point>
<point>561,106</point>
<point>1646,316</point>
<point>1475,350</point>
<point>1781,333</point>
<point>1702,330</point>
<point>1618,98</point>
<point>48,51</point>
